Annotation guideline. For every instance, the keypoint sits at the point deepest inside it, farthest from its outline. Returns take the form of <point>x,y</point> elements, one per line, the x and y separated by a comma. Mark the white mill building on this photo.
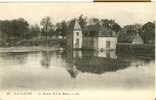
<point>94,37</point>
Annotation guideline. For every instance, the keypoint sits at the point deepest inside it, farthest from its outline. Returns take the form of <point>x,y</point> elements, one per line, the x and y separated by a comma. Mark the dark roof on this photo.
<point>100,31</point>
<point>105,32</point>
<point>71,26</point>
<point>92,28</point>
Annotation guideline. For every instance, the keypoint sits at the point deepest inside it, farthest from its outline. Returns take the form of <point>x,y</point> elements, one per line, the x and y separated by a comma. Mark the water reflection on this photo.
<point>15,58</point>
<point>72,70</point>
<point>58,69</point>
<point>107,54</point>
<point>45,61</point>
<point>104,54</point>
<point>76,54</point>
<point>94,62</point>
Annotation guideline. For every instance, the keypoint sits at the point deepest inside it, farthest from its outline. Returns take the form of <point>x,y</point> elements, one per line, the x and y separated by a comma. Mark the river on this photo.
<point>75,70</point>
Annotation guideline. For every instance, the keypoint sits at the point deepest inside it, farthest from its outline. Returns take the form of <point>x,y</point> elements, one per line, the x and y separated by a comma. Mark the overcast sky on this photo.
<point>123,13</point>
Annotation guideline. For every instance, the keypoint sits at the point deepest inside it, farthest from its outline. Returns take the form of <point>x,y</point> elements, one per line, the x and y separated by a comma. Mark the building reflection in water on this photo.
<point>72,70</point>
<point>86,61</point>
<point>93,62</point>
<point>107,54</point>
<point>77,54</point>
<point>104,54</point>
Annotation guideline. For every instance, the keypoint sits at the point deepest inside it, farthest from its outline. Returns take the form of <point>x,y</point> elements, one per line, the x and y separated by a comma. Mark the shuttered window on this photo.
<point>108,44</point>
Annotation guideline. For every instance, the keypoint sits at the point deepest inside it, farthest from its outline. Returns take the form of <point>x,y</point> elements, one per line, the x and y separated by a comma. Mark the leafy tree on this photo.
<point>111,24</point>
<point>83,21</point>
<point>5,29</point>
<point>116,27</point>
<point>62,28</point>
<point>46,25</point>
<point>148,32</point>
<point>16,28</point>
<point>34,31</point>
<point>19,27</point>
<point>58,29</point>
<point>128,32</point>
<point>94,21</point>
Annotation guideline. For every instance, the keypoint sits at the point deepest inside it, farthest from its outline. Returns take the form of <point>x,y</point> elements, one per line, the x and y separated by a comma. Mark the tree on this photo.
<point>62,28</point>
<point>128,32</point>
<point>16,28</point>
<point>20,27</point>
<point>116,27</point>
<point>58,29</point>
<point>34,31</point>
<point>111,24</point>
<point>5,29</point>
<point>148,32</point>
<point>46,25</point>
<point>82,21</point>
<point>93,21</point>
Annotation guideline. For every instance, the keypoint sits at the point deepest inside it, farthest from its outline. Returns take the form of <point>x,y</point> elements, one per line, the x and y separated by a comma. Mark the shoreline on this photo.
<point>28,49</point>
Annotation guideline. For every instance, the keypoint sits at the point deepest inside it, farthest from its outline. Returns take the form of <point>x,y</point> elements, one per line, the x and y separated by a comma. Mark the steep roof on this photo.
<point>100,31</point>
<point>92,28</point>
<point>106,32</point>
<point>77,25</point>
<point>74,25</point>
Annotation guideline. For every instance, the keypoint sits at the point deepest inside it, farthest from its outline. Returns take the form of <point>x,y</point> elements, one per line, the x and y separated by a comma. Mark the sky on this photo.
<point>122,13</point>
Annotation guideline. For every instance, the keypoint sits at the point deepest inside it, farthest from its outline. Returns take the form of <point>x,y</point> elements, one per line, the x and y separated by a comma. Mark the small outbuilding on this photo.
<point>107,39</point>
<point>94,37</point>
<point>137,39</point>
<point>99,38</point>
<point>75,36</point>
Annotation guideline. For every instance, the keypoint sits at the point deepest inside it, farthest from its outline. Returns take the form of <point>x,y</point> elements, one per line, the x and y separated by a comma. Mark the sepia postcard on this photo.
<point>77,51</point>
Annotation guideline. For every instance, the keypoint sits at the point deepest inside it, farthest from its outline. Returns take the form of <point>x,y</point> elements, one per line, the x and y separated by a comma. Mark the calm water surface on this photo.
<point>74,70</point>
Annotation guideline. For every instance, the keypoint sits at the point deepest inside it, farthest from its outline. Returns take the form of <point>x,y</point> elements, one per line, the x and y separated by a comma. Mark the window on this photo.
<point>77,33</point>
<point>107,44</point>
<point>77,43</point>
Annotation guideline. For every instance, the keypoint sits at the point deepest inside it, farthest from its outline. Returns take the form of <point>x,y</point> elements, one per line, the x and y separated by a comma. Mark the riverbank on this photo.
<point>140,50</point>
<point>29,49</point>
<point>32,42</point>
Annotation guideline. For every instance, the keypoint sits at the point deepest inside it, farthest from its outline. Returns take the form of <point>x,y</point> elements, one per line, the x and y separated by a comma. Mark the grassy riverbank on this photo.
<point>141,50</point>
<point>29,49</point>
<point>32,42</point>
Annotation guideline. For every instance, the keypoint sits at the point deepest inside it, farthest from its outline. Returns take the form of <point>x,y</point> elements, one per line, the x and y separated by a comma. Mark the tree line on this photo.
<point>18,30</point>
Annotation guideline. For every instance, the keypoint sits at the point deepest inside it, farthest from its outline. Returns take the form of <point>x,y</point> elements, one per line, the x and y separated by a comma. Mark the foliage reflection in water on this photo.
<point>74,69</point>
